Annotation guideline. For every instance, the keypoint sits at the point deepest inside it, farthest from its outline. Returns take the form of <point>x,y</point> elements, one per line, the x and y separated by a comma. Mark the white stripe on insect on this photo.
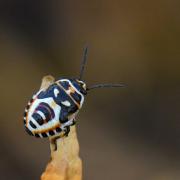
<point>54,121</point>
<point>56,92</point>
<point>41,114</point>
<point>66,103</point>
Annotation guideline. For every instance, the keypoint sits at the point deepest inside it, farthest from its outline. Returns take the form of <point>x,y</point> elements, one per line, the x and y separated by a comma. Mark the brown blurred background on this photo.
<point>131,133</point>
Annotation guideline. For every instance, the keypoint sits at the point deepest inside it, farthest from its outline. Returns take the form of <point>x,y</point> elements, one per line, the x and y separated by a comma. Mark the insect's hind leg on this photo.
<point>53,142</point>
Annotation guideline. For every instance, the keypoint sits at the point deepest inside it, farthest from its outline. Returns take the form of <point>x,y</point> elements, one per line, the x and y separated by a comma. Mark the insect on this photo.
<point>52,111</point>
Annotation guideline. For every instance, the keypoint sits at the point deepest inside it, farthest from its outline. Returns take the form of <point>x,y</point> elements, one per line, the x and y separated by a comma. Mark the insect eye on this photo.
<point>56,92</point>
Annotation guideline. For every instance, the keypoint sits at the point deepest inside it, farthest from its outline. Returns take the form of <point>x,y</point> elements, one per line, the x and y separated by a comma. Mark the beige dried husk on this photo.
<point>65,163</point>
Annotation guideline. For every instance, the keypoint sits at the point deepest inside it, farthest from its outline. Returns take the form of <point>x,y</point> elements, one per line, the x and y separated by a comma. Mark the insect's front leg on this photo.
<point>73,122</point>
<point>66,126</point>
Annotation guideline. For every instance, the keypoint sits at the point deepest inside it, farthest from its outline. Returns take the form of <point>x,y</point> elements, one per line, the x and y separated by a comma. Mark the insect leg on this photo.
<point>67,130</point>
<point>53,141</point>
<point>73,122</point>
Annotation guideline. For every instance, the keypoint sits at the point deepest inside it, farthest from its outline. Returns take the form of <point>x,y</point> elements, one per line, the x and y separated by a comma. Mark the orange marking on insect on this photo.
<point>69,94</point>
<point>28,111</point>
<point>47,130</point>
<point>71,89</point>
<point>45,121</point>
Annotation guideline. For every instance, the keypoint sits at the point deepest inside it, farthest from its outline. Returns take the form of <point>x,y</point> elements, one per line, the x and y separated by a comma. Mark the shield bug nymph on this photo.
<point>52,110</point>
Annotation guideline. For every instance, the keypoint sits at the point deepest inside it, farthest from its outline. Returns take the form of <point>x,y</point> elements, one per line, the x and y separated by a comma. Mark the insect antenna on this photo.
<point>105,86</point>
<point>84,60</point>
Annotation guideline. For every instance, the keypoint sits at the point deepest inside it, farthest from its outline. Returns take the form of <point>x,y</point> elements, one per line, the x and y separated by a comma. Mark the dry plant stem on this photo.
<point>65,162</point>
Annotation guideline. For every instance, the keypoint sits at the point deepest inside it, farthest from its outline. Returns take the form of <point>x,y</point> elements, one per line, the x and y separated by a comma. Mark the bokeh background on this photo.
<point>130,133</point>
